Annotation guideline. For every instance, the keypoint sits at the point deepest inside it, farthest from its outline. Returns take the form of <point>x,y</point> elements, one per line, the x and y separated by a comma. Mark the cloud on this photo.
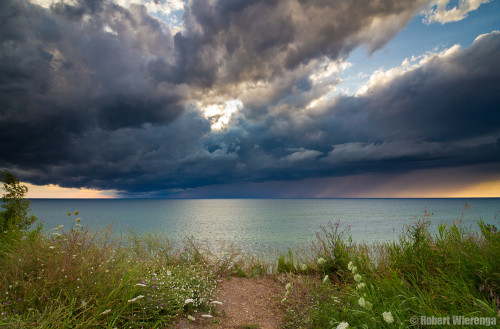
<point>100,95</point>
<point>443,11</point>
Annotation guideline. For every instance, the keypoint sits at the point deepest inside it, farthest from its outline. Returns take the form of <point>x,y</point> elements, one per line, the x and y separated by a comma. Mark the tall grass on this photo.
<point>85,277</point>
<point>454,272</point>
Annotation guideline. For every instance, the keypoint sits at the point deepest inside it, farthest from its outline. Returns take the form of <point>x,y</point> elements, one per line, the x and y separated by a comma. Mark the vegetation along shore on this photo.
<point>88,277</point>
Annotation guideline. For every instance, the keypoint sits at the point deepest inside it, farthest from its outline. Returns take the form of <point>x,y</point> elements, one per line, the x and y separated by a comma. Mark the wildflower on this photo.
<point>25,237</point>
<point>58,227</point>
<point>357,278</point>
<point>51,247</point>
<point>388,317</point>
<point>84,303</point>
<point>343,325</point>
<point>360,285</point>
<point>362,302</point>
<point>4,313</point>
<point>169,273</point>
<point>189,300</point>
<point>206,316</point>
<point>354,270</point>
<point>191,318</point>
<point>368,305</point>
<point>140,284</point>
<point>304,267</point>
<point>56,234</point>
<point>321,261</point>
<point>349,266</point>
<point>78,220</point>
<point>76,212</point>
<point>288,286</point>
<point>135,299</point>
<point>106,312</point>
<point>325,280</point>
<point>216,302</point>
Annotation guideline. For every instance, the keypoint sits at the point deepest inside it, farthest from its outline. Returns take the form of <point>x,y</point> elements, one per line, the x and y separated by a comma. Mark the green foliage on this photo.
<point>455,272</point>
<point>286,263</point>
<point>86,277</point>
<point>15,216</point>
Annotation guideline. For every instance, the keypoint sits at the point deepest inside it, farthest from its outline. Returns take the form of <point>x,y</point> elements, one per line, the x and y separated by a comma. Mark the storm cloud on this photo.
<point>98,95</point>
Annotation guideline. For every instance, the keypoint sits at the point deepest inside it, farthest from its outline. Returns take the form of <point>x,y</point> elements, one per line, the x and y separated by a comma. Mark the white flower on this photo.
<point>58,227</point>
<point>325,280</point>
<point>368,305</point>
<point>140,284</point>
<point>388,317</point>
<point>135,299</point>
<point>84,303</point>
<point>349,266</point>
<point>189,300</point>
<point>343,325</point>
<point>169,273</point>
<point>362,302</point>
<point>52,247</point>
<point>357,278</point>
<point>206,315</point>
<point>106,312</point>
<point>360,285</point>
<point>321,261</point>
<point>304,267</point>
<point>191,318</point>
<point>354,270</point>
<point>288,286</point>
<point>216,302</point>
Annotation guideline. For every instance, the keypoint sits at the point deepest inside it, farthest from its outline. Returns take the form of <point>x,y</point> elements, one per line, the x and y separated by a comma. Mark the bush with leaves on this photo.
<point>16,215</point>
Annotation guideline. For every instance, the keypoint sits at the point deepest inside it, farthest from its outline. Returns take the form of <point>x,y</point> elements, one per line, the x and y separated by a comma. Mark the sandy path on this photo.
<point>247,303</point>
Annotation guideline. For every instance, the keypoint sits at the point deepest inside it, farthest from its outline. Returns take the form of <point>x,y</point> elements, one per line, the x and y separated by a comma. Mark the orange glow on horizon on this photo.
<point>57,192</point>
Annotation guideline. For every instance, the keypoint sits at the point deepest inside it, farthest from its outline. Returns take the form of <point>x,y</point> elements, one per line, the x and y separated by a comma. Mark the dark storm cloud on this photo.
<point>233,41</point>
<point>101,96</point>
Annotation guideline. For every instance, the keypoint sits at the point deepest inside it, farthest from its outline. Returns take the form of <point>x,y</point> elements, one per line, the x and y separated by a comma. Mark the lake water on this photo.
<point>260,224</point>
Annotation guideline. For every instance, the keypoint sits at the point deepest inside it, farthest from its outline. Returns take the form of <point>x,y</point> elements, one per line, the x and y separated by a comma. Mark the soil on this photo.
<point>247,303</point>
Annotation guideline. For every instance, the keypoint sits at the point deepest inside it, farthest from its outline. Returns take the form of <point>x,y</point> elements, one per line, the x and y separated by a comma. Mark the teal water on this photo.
<point>260,224</point>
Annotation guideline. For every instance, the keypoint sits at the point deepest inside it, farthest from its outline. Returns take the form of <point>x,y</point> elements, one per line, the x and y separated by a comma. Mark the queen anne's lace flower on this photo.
<point>357,278</point>
<point>343,325</point>
<point>321,261</point>
<point>388,317</point>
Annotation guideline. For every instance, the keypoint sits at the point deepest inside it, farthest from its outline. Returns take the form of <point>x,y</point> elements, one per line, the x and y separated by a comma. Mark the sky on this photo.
<point>251,98</point>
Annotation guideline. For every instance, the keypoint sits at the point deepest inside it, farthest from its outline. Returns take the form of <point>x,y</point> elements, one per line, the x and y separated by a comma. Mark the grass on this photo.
<point>86,277</point>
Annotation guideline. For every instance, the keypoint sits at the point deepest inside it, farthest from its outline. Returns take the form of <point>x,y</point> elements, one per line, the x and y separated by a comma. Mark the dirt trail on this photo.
<point>247,303</point>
